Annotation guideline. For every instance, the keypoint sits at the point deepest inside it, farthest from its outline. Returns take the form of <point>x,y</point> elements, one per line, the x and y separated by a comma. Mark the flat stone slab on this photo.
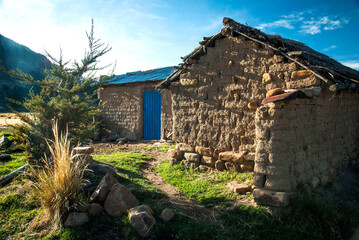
<point>83,150</point>
<point>237,187</point>
<point>271,198</point>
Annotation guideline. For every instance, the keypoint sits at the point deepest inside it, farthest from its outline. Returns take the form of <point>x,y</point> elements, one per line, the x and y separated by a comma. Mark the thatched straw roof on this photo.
<point>332,72</point>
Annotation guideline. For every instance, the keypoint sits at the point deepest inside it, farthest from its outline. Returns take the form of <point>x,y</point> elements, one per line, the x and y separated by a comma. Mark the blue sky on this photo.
<point>147,34</point>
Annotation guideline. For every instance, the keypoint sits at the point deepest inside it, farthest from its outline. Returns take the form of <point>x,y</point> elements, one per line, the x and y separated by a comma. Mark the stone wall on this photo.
<point>122,109</point>
<point>214,102</point>
<point>304,142</point>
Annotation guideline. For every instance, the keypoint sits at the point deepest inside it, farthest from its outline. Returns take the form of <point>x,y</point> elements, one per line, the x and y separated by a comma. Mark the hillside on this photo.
<point>16,56</point>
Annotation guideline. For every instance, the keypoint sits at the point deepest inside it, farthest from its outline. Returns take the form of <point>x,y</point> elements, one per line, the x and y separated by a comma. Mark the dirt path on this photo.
<point>176,198</point>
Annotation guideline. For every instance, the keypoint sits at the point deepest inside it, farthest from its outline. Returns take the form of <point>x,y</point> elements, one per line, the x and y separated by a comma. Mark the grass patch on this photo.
<point>208,188</point>
<point>127,165</point>
<point>312,218</point>
<point>17,210</point>
<point>18,160</point>
<point>158,148</point>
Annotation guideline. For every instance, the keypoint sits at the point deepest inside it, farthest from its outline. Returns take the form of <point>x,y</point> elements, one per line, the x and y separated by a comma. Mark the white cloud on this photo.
<point>279,23</point>
<point>352,64</point>
<point>300,20</point>
<point>329,48</point>
<point>316,25</point>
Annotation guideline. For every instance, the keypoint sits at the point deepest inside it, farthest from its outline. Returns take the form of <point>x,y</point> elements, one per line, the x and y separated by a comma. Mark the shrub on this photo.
<point>58,183</point>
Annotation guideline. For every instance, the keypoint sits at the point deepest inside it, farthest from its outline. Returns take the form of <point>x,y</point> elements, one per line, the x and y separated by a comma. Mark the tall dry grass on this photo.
<point>57,184</point>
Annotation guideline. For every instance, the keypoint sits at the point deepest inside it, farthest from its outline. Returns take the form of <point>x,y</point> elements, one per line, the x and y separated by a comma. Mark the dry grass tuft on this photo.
<point>57,184</point>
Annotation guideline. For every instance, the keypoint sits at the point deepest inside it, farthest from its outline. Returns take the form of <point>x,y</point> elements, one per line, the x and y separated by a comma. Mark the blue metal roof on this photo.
<point>142,76</point>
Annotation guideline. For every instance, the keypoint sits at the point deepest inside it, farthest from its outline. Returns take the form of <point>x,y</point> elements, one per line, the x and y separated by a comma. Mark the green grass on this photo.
<point>18,160</point>
<point>158,148</point>
<point>17,210</point>
<point>208,188</point>
<point>312,218</point>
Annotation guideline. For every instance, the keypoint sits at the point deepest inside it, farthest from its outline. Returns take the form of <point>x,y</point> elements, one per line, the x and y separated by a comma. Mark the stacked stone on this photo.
<point>206,158</point>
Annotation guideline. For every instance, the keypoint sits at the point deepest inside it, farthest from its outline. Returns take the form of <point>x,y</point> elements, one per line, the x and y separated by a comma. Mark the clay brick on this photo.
<point>185,148</point>
<point>205,151</point>
<point>192,157</point>
<point>225,156</point>
<point>210,161</point>
<point>237,187</point>
<point>238,157</point>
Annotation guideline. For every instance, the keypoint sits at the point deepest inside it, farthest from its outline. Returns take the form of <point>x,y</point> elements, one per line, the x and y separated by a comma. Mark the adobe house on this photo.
<point>133,108</point>
<point>301,134</point>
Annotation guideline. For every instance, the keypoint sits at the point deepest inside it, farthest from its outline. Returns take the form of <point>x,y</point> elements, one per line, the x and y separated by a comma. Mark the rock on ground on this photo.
<point>119,200</point>
<point>94,209</point>
<point>167,215</point>
<point>142,220</point>
<point>103,189</point>
<point>102,169</point>
<point>76,219</point>
<point>83,150</point>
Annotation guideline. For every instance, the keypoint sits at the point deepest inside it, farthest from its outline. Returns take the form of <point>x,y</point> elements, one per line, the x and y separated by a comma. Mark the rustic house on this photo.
<point>133,108</point>
<point>300,134</point>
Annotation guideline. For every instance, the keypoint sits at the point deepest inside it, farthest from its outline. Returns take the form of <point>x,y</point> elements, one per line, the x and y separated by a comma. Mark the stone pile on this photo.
<point>206,158</point>
<point>114,199</point>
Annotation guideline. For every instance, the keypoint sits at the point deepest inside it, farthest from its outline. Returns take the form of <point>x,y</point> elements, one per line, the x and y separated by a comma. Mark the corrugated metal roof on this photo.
<point>143,76</point>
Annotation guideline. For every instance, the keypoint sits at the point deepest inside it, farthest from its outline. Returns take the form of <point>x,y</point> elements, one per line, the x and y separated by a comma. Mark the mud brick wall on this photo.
<point>122,109</point>
<point>304,142</point>
<point>211,100</point>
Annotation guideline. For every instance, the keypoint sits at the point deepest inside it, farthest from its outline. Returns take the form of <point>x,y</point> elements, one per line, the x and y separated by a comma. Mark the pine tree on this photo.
<point>67,96</point>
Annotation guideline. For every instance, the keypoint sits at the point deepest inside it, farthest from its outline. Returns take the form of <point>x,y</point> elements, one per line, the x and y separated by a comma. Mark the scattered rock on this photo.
<point>4,142</point>
<point>94,209</point>
<point>76,219</point>
<point>5,157</point>
<point>239,187</point>
<point>83,150</point>
<point>102,169</point>
<point>88,159</point>
<point>142,220</point>
<point>176,154</point>
<point>119,200</point>
<point>167,215</point>
<point>252,105</point>
<point>219,165</point>
<point>266,78</point>
<point>103,189</point>
<point>121,141</point>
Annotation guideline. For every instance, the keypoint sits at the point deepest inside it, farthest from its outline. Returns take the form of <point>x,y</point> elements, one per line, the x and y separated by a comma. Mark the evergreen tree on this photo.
<point>67,95</point>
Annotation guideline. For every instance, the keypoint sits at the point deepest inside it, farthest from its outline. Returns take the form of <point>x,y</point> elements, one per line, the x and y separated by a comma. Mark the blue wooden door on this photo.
<point>151,115</point>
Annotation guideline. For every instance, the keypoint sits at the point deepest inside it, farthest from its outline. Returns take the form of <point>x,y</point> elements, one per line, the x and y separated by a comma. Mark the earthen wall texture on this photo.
<point>305,141</point>
<point>210,101</point>
<point>122,109</point>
